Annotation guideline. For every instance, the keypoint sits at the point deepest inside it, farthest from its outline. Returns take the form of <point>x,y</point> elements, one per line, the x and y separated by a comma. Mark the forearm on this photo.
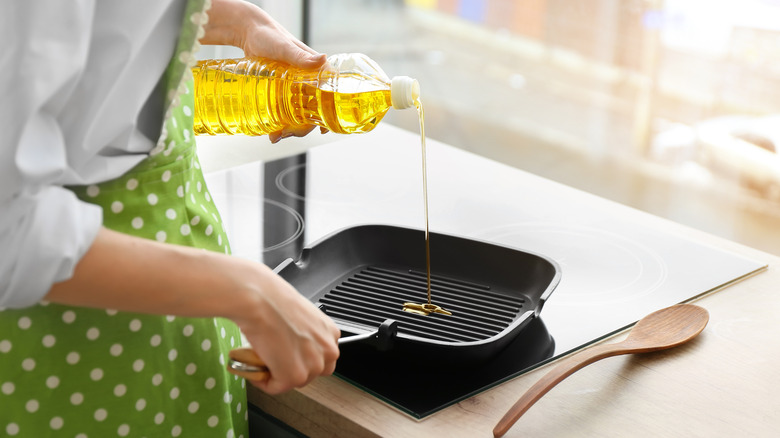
<point>136,275</point>
<point>132,274</point>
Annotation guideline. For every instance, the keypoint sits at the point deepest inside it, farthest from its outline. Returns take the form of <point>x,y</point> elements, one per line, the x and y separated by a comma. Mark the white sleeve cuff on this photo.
<point>43,236</point>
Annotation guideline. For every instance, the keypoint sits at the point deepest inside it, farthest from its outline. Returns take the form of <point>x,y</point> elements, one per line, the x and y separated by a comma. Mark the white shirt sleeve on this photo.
<point>44,229</point>
<point>43,237</point>
<point>74,78</point>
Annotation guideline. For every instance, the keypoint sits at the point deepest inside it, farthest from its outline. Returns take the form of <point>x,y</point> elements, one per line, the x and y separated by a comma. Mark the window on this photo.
<point>670,106</point>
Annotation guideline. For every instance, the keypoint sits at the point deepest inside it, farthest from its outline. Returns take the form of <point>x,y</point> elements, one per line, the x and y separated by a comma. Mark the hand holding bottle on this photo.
<point>244,25</point>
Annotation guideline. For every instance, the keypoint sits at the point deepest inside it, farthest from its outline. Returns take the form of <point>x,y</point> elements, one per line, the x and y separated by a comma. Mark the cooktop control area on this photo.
<point>614,270</point>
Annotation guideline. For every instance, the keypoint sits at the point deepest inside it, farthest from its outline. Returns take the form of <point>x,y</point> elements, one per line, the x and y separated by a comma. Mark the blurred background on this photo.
<point>668,106</point>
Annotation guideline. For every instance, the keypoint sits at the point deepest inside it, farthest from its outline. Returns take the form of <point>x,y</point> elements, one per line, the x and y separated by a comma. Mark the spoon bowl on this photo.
<point>666,328</point>
<point>662,329</point>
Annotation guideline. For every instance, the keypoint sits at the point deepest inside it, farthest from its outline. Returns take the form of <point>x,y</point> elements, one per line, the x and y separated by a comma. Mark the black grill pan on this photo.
<point>361,276</point>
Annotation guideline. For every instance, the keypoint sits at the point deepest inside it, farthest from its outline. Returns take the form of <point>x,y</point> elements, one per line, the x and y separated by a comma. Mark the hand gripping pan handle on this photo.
<point>244,362</point>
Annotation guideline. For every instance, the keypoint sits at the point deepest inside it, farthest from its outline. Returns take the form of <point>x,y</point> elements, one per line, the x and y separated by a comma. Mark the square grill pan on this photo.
<point>361,276</point>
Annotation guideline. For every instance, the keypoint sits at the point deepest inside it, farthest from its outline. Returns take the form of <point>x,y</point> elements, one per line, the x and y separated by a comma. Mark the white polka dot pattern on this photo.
<point>81,372</point>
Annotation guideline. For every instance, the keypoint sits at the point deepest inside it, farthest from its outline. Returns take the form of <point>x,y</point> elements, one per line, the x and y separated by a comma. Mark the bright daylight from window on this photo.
<point>669,106</point>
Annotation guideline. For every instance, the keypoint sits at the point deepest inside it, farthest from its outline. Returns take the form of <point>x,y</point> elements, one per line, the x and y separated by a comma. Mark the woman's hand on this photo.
<point>244,25</point>
<point>296,341</point>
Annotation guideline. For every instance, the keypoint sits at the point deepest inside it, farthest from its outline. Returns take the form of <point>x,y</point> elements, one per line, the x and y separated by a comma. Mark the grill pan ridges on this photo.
<point>362,275</point>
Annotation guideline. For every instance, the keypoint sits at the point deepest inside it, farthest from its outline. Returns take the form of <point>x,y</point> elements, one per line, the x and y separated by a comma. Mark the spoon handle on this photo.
<point>563,370</point>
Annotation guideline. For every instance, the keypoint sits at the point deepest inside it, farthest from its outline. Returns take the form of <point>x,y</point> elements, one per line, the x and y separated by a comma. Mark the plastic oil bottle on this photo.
<point>349,94</point>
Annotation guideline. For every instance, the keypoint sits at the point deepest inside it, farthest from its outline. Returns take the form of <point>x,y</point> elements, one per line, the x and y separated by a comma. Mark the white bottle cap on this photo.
<point>404,91</point>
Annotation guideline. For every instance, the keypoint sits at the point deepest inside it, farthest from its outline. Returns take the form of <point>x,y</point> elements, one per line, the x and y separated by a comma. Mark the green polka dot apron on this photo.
<point>78,372</point>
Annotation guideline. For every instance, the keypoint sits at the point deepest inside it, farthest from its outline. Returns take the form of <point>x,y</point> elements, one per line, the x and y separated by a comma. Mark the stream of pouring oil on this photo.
<point>427,308</point>
<point>421,115</point>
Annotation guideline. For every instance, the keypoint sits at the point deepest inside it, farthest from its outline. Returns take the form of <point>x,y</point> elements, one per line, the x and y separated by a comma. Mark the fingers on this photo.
<point>312,60</point>
<point>266,38</point>
<point>299,54</point>
<point>287,49</point>
<point>304,369</point>
<point>291,131</point>
<point>250,28</point>
<point>295,339</point>
<point>278,384</point>
<point>335,333</point>
<point>296,375</point>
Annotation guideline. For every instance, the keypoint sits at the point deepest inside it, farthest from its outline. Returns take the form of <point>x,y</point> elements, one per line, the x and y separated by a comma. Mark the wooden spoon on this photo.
<point>665,328</point>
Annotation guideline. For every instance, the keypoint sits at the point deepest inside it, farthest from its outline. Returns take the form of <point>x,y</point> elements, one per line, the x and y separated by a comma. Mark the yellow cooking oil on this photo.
<point>349,95</point>
<point>258,97</point>
<point>427,308</point>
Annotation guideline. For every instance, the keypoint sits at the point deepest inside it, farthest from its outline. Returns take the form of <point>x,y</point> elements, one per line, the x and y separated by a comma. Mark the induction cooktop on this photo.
<point>614,270</point>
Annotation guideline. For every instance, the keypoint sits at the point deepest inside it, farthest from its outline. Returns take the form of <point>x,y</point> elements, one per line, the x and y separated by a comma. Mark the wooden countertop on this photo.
<point>723,383</point>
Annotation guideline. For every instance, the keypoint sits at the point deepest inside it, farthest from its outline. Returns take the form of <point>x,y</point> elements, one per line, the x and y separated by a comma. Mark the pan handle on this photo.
<point>244,362</point>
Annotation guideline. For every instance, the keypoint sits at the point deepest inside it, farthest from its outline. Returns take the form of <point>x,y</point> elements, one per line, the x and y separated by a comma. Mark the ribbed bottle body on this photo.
<point>257,97</point>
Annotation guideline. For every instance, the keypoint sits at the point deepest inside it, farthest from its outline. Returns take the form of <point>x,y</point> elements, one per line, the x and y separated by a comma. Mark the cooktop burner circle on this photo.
<point>248,219</point>
<point>596,265</point>
<point>295,220</point>
<point>285,174</point>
